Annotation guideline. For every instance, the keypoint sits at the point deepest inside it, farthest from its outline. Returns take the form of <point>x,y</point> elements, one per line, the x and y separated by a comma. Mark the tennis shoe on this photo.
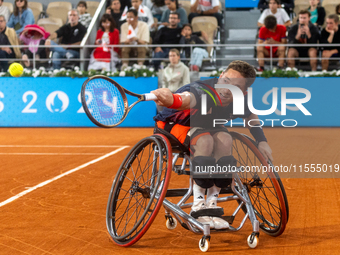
<point>203,219</point>
<point>219,223</point>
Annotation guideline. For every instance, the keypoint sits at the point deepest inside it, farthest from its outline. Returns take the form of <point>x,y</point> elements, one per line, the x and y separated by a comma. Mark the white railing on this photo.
<point>213,57</point>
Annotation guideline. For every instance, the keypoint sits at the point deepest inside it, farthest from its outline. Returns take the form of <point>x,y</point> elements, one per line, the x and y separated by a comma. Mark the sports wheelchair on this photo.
<point>140,188</point>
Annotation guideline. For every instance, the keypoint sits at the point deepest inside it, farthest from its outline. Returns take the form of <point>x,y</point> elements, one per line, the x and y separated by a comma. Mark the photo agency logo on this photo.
<point>301,96</point>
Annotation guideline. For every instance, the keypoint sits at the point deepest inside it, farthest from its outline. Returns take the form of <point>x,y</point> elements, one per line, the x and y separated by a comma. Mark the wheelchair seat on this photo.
<point>175,144</point>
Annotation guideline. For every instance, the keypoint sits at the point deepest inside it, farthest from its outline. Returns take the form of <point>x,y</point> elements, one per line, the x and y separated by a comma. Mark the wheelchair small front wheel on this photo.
<point>138,190</point>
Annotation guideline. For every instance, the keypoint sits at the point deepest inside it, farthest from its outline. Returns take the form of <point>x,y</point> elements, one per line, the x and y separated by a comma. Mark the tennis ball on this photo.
<point>15,69</point>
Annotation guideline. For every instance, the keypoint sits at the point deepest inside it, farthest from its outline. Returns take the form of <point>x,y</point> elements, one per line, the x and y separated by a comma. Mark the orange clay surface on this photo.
<point>67,215</point>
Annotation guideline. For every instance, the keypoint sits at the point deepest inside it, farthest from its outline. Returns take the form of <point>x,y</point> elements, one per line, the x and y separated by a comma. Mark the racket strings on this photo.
<point>107,104</point>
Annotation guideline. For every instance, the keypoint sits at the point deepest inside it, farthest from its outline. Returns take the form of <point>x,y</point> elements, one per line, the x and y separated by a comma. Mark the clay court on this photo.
<point>55,184</point>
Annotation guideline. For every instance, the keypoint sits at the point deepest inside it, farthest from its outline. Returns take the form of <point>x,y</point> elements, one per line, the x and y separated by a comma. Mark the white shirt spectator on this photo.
<point>281,16</point>
<point>4,11</point>
<point>206,5</point>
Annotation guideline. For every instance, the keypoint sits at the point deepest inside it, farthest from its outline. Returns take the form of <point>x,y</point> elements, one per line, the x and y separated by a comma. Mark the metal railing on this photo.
<point>83,60</point>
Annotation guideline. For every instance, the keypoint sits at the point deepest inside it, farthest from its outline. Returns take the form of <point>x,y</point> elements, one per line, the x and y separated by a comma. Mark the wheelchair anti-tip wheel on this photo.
<point>265,188</point>
<point>171,223</point>
<point>138,190</point>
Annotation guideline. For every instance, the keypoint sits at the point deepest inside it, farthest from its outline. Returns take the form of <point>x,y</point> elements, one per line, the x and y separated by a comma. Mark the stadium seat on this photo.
<point>329,2</point>
<point>301,2</point>
<point>36,8</point>
<point>209,25</point>
<point>9,6</point>
<point>50,24</point>
<point>330,9</point>
<point>92,7</point>
<point>59,10</point>
<point>185,5</point>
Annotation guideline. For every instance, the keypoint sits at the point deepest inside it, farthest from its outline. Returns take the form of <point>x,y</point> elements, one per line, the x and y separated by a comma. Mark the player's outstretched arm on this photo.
<point>257,132</point>
<point>179,101</point>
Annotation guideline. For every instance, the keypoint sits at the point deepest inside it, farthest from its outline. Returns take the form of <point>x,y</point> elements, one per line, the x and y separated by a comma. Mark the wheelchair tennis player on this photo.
<point>209,145</point>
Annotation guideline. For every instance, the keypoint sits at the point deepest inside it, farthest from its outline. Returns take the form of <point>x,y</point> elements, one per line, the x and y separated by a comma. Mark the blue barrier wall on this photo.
<point>324,104</point>
<point>55,102</point>
<point>241,3</point>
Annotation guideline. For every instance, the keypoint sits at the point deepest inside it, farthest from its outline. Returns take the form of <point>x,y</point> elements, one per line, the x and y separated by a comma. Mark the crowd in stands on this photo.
<point>139,24</point>
<point>312,27</point>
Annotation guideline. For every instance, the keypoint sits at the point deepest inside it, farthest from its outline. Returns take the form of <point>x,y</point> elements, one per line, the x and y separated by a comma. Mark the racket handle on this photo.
<point>149,97</point>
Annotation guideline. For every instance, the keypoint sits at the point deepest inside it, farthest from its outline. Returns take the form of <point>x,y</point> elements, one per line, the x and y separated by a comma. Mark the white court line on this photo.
<point>62,146</point>
<point>42,184</point>
<point>49,154</point>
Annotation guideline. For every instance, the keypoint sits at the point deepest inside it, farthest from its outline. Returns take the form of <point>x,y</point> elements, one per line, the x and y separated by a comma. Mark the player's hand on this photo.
<point>265,150</point>
<point>164,97</point>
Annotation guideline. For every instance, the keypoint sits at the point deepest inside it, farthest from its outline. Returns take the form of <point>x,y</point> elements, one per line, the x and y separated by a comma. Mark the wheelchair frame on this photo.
<point>146,197</point>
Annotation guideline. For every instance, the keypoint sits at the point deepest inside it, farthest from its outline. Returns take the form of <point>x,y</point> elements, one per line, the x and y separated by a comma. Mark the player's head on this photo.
<point>239,74</point>
<point>270,22</point>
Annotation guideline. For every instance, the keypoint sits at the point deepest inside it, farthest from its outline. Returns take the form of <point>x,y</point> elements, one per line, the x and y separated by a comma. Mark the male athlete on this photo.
<point>211,146</point>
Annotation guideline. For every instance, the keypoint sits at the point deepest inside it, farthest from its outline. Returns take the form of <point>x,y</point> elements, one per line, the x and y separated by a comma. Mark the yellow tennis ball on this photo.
<point>15,69</point>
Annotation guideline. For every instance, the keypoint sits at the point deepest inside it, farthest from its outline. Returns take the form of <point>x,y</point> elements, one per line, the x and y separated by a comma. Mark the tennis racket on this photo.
<point>105,102</point>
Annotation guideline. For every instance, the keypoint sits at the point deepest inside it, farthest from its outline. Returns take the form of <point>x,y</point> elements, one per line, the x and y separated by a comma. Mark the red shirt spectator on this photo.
<point>100,52</point>
<point>278,35</point>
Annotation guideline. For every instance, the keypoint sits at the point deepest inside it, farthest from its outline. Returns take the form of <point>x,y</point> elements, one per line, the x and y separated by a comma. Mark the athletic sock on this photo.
<point>198,193</point>
<point>212,194</point>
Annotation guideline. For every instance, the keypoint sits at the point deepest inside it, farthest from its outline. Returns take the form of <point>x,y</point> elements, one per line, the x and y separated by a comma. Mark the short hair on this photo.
<point>73,10</point>
<point>134,11</point>
<point>270,22</point>
<point>305,12</point>
<point>83,3</point>
<point>174,13</point>
<point>187,25</point>
<point>246,70</point>
<point>277,1</point>
<point>108,17</point>
<point>175,51</point>
<point>2,16</point>
<point>334,17</point>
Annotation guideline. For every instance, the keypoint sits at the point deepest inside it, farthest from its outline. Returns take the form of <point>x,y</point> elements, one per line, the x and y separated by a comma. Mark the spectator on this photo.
<point>107,36</point>
<point>134,32</point>
<point>280,14</point>
<point>337,10</point>
<point>144,13</point>
<point>330,35</point>
<point>4,11</point>
<point>170,34</point>
<point>33,36</point>
<point>303,32</point>
<point>123,4</point>
<point>271,33</point>
<point>157,7</point>
<point>21,16</point>
<point>288,5</point>
<point>174,7</point>
<point>198,53</point>
<point>317,13</point>
<point>205,8</point>
<point>176,74</point>
<point>84,17</point>
<point>9,38</point>
<point>72,34</point>
<point>116,13</point>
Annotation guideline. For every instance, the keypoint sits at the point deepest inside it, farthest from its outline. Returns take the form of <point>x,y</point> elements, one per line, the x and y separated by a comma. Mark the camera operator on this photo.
<point>303,32</point>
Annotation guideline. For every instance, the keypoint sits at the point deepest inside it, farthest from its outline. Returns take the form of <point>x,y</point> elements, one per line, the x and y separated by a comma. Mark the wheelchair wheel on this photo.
<point>138,190</point>
<point>265,188</point>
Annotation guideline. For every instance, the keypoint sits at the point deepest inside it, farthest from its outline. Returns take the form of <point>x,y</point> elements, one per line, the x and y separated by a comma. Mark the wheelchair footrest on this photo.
<point>229,219</point>
<point>212,212</point>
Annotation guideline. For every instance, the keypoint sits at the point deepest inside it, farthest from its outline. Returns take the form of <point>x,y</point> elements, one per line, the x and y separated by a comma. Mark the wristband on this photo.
<point>177,102</point>
<point>258,134</point>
